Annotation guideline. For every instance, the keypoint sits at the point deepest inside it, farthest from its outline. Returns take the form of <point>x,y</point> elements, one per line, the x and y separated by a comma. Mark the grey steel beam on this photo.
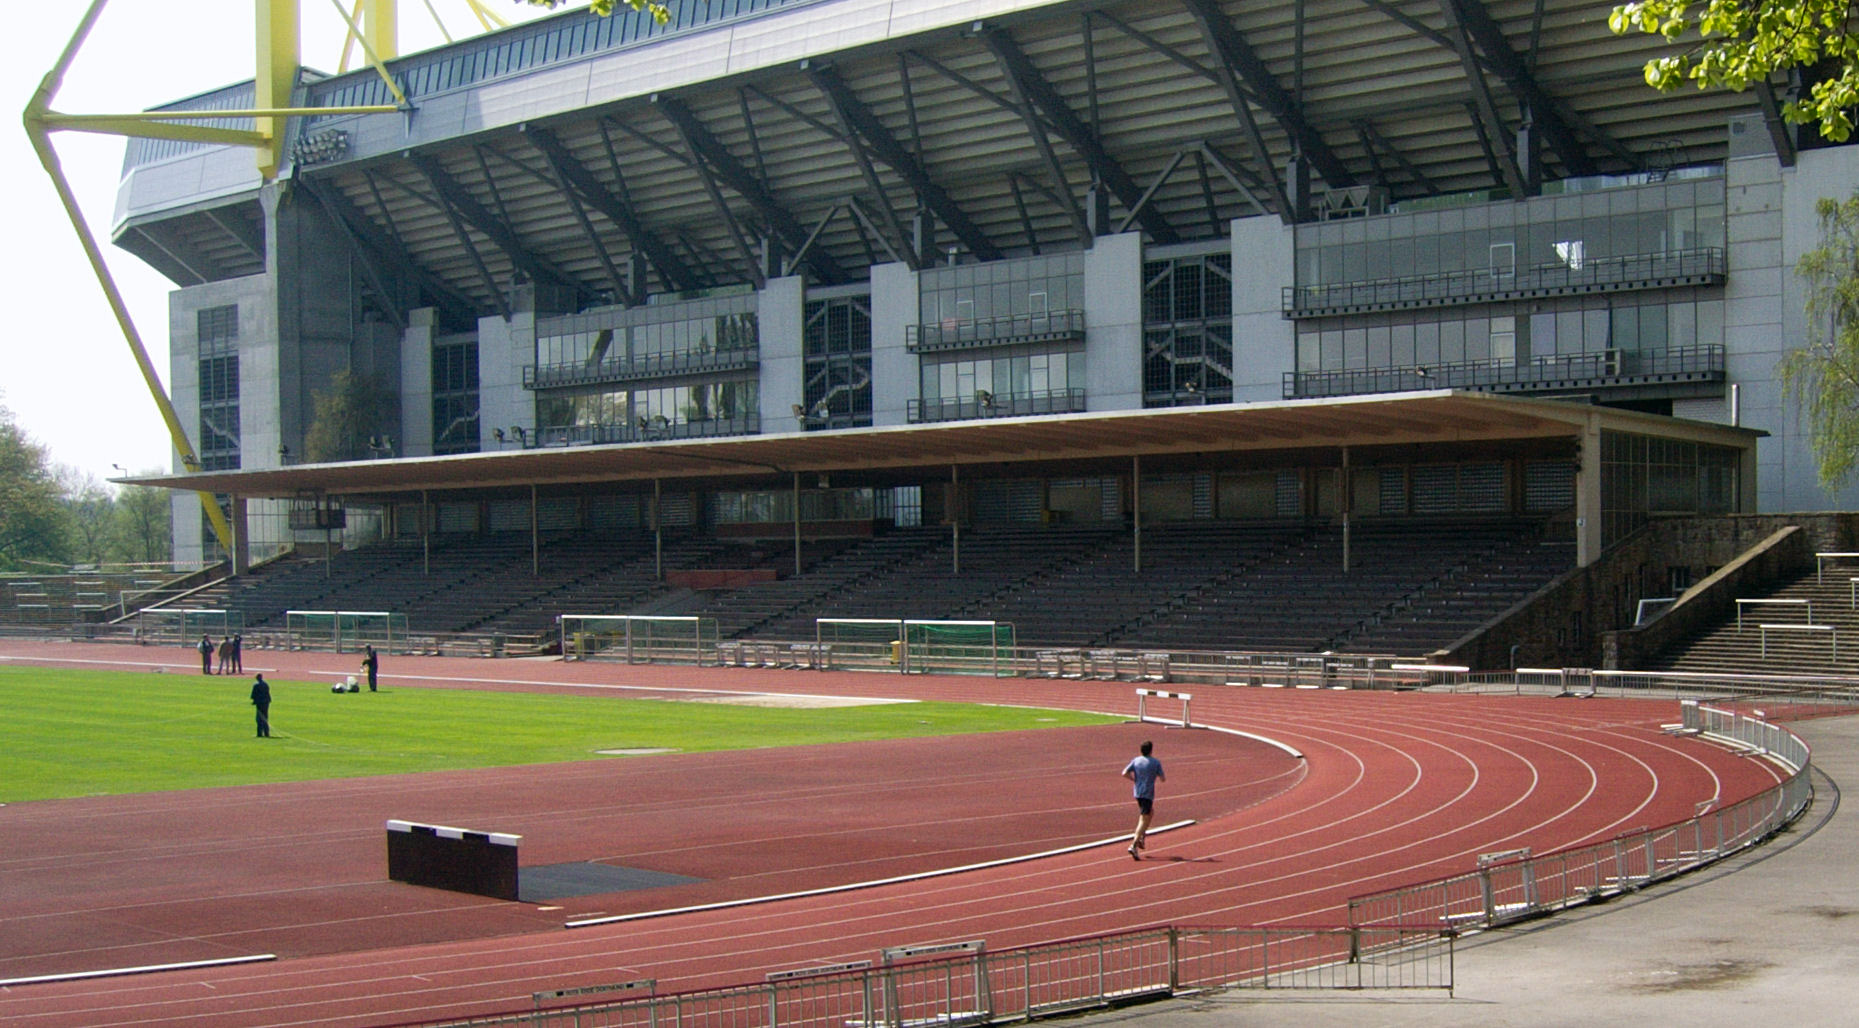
<point>617,280</point>
<point>1026,220</point>
<point>1772,119</point>
<point>745,184</point>
<point>171,256</point>
<point>489,281</point>
<point>1242,108</point>
<point>459,202</point>
<point>887,149</point>
<point>1030,84</point>
<point>1238,56</point>
<point>239,228</point>
<point>1495,51</point>
<point>893,229</point>
<point>1373,141</point>
<point>1499,148</point>
<point>370,259</point>
<point>707,178</point>
<point>615,207</point>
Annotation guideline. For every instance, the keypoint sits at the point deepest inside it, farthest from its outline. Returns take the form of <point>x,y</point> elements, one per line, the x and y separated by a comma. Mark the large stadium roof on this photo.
<point>1433,425</point>
<point>566,150</point>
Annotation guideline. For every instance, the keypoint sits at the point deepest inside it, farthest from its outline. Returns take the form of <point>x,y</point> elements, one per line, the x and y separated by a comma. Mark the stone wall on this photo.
<point>1584,618</point>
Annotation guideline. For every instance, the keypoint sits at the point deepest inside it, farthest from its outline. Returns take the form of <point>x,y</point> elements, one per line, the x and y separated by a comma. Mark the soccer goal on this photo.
<point>163,626</point>
<point>860,642</point>
<point>959,647</point>
<point>344,631</point>
<point>638,638</point>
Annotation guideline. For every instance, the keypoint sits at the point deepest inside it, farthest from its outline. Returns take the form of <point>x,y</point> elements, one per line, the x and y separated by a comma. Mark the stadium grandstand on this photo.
<point>1325,325</point>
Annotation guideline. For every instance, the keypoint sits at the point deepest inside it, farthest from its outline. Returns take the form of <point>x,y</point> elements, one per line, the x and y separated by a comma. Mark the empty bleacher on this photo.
<point>1411,585</point>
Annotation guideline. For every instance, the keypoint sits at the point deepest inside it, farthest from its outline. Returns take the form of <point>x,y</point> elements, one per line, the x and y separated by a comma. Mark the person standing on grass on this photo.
<point>238,654</point>
<point>261,702</point>
<point>206,655</point>
<point>371,663</point>
<point>1145,771</point>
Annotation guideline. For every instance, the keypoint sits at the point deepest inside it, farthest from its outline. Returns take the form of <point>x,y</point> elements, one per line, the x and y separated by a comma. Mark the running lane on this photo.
<point>1394,789</point>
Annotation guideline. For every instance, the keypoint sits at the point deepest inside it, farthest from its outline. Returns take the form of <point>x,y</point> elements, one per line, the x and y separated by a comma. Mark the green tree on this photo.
<point>349,415</point>
<point>33,520</point>
<point>660,12</point>
<point>90,511</point>
<point>144,518</point>
<point>1823,375</point>
<point>1740,42</point>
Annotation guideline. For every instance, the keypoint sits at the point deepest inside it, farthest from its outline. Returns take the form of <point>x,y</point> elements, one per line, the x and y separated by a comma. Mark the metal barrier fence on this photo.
<point>1511,886</point>
<point>972,986</point>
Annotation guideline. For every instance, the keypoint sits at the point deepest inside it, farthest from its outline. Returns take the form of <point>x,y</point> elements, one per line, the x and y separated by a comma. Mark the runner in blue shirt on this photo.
<point>1145,771</point>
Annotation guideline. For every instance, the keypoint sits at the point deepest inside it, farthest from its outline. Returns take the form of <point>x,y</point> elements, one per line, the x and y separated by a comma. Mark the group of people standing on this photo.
<point>231,655</point>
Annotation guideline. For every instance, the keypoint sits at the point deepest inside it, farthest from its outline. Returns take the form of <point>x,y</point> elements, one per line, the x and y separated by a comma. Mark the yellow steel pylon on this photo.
<point>277,56</point>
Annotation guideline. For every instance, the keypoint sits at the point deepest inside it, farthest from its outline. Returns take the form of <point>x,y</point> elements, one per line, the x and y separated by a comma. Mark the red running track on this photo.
<point>1394,789</point>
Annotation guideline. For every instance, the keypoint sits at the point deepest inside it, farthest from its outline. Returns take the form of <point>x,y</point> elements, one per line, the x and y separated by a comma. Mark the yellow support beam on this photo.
<point>278,56</point>
<point>380,28</point>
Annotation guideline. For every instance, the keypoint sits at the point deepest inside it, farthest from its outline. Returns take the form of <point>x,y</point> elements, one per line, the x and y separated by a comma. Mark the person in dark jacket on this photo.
<point>372,664</point>
<point>206,655</point>
<point>261,702</point>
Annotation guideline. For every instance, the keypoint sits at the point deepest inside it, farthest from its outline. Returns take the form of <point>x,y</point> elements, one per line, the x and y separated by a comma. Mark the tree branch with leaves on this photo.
<point>660,13</point>
<point>1742,42</point>
<point>1823,375</point>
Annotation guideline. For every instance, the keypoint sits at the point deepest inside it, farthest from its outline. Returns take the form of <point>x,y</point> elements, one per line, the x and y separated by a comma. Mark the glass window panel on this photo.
<point>1452,342</point>
<point>1478,339</point>
<point>1653,327</point>
<point>1625,329</point>
<point>1710,322</point>
<point>1595,335</point>
<point>1401,346</point>
<point>1355,348</point>
<point>1379,352</point>
<point>1426,344</point>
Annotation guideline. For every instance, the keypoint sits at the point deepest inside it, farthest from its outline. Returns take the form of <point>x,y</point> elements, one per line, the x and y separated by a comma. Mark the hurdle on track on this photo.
<point>1143,696</point>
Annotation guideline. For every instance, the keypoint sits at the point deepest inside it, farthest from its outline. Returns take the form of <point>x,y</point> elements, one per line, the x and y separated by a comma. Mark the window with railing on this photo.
<point>614,346</point>
<point>685,411</point>
<point>1008,384</point>
<point>1025,299</point>
<point>1188,330</point>
<point>1677,333</point>
<point>1644,235</point>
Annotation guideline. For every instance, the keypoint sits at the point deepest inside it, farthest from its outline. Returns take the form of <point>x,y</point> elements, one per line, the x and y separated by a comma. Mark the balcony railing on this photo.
<point>1603,369</point>
<point>997,405</point>
<point>963,333</point>
<point>639,368</point>
<point>642,431</point>
<point>1456,288</point>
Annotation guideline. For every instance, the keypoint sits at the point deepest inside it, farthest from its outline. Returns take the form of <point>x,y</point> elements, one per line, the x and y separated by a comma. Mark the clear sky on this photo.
<point>65,371</point>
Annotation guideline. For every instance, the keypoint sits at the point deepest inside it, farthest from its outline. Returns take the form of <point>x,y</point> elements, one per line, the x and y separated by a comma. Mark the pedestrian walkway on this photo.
<point>1769,936</point>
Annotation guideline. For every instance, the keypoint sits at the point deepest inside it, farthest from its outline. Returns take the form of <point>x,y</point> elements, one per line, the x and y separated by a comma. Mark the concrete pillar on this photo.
<point>893,368</point>
<point>780,314</point>
<point>1113,277</point>
<point>1588,494</point>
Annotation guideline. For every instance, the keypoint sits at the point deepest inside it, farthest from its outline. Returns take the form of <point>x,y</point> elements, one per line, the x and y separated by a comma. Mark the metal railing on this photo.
<point>639,367</point>
<point>960,333</point>
<point>1508,887</point>
<point>1596,274</point>
<point>996,405</point>
<point>1535,374</point>
<point>651,430</point>
<point>973,986</point>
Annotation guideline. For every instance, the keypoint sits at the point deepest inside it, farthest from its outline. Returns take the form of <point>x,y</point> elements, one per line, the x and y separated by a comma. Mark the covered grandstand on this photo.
<point>1134,284</point>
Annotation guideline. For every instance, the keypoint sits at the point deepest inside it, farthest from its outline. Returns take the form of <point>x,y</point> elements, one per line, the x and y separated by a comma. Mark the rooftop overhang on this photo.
<point>1411,426</point>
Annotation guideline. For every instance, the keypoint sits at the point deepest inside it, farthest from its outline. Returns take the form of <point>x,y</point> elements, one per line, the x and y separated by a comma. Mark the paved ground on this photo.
<point>1770,937</point>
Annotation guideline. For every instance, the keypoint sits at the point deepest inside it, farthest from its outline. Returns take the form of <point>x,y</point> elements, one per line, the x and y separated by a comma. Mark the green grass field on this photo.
<point>84,733</point>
